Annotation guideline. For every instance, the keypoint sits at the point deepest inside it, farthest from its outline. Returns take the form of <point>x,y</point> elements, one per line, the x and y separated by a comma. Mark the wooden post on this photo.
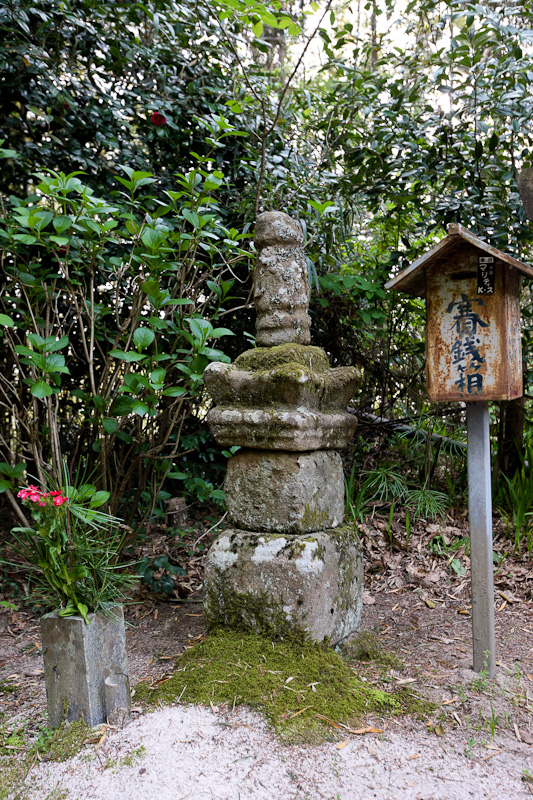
<point>480,522</point>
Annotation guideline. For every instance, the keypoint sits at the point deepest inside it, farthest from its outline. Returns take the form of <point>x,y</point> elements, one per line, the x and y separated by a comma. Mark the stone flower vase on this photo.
<point>86,668</point>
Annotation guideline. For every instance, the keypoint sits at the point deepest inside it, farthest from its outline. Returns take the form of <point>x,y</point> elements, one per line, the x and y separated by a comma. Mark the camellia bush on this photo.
<point>110,308</point>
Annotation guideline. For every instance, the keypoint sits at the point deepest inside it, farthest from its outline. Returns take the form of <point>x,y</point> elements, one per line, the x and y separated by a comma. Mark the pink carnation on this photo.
<point>34,497</point>
<point>58,501</point>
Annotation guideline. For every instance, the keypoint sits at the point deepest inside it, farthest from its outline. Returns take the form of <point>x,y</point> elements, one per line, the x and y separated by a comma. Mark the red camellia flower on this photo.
<point>158,119</point>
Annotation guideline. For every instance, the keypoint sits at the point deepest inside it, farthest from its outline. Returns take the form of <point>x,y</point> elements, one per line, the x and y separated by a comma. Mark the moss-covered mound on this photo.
<point>263,359</point>
<point>292,684</point>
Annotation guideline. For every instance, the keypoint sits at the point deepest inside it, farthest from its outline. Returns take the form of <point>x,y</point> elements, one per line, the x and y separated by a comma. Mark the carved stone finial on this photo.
<point>281,287</point>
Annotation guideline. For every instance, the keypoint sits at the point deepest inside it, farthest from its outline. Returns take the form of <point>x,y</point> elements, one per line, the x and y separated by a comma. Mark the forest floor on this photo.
<point>416,602</point>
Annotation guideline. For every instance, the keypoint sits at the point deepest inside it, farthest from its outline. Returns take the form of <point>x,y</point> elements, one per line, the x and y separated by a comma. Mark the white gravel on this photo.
<point>191,752</point>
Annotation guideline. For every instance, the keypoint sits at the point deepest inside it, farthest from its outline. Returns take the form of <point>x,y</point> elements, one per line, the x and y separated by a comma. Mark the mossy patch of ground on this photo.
<point>289,682</point>
<point>66,741</point>
<point>129,760</point>
<point>367,647</point>
<point>58,745</point>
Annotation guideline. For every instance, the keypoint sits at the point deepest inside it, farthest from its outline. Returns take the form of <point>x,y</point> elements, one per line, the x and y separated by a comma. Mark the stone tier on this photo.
<point>281,398</point>
<point>285,492</point>
<point>309,585</point>
<point>294,431</point>
<point>281,286</point>
<point>288,376</point>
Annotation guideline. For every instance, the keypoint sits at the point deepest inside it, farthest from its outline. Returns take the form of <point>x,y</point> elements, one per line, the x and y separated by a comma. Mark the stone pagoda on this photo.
<point>287,565</point>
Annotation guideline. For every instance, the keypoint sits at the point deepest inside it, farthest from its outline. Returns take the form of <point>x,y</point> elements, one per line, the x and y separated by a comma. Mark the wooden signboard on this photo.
<point>473,342</point>
<point>473,355</point>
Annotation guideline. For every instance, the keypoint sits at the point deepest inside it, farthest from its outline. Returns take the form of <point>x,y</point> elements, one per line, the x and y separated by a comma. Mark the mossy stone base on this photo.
<point>283,492</point>
<point>307,586</point>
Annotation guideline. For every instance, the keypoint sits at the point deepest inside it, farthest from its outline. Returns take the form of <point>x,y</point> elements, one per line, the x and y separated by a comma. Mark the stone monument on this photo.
<point>287,565</point>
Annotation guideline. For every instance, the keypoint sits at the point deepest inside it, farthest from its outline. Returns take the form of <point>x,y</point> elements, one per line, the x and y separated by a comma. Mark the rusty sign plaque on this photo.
<point>473,347</point>
<point>472,292</point>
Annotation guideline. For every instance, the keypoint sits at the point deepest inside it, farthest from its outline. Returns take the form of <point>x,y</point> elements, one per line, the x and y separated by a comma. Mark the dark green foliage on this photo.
<point>157,574</point>
<point>82,79</point>
<point>375,152</point>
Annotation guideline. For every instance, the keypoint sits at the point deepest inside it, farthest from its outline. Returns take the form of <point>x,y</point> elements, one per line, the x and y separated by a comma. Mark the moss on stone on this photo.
<point>264,359</point>
<point>290,683</point>
<point>315,518</point>
<point>251,613</point>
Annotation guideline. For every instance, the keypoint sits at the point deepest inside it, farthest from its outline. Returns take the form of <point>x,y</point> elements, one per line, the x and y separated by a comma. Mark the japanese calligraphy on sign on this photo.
<point>472,298</point>
<point>472,337</point>
<point>467,350</point>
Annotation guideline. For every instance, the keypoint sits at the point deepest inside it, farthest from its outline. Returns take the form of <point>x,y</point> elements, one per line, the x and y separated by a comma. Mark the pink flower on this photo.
<point>58,501</point>
<point>23,493</point>
<point>34,488</point>
<point>158,119</point>
<point>41,503</point>
<point>55,493</point>
<point>35,497</point>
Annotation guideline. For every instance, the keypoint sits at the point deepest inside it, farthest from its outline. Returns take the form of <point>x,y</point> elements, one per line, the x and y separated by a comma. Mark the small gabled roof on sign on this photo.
<point>412,280</point>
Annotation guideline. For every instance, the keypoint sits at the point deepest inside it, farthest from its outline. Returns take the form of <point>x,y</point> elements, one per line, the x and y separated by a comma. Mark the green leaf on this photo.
<point>201,329</point>
<point>143,338</point>
<point>139,408</point>
<point>178,476</point>
<point>126,356</point>
<point>153,238</point>
<point>41,389</point>
<point>4,486</point>
<point>62,223</point>
<point>216,333</point>
<point>110,424</point>
<point>24,238</point>
<point>52,346</point>
<point>122,405</point>
<point>158,375</point>
<point>174,391</point>
<point>98,499</point>
<point>6,321</point>
<point>192,217</point>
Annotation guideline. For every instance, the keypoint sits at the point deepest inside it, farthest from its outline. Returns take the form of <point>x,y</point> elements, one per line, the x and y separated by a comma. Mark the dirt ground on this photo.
<point>418,607</point>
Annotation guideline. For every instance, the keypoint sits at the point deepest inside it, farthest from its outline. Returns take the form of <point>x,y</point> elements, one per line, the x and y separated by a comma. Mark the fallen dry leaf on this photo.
<point>430,603</point>
<point>496,752</point>
<point>100,743</point>
<point>525,736</point>
<point>340,745</point>
<point>368,600</point>
<point>412,758</point>
<point>297,713</point>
